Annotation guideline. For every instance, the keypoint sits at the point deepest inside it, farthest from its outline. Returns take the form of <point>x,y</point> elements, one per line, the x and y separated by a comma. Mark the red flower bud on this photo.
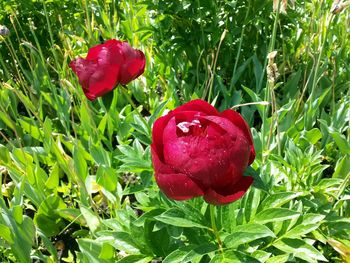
<point>198,151</point>
<point>107,65</point>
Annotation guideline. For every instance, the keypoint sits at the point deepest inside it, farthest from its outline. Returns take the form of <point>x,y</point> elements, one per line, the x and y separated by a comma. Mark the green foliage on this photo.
<point>77,179</point>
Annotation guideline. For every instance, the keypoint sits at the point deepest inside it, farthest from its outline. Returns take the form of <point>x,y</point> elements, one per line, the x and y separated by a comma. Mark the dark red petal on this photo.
<point>102,81</point>
<point>178,186</point>
<point>231,161</point>
<point>237,191</point>
<point>174,148</point>
<point>213,160</point>
<point>95,50</point>
<point>83,69</point>
<point>157,133</point>
<point>238,121</point>
<point>224,124</point>
<point>158,165</point>
<point>132,67</point>
<point>199,106</point>
<point>98,74</point>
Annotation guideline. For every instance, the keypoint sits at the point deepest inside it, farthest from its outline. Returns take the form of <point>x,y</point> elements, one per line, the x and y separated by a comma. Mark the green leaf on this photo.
<point>72,215</point>
<point>8,121</point>
<point>91,251</point>
<point>4,154</point>
<point>275,215</point>
<point>17,213</point>
<point>46,217</point>
<point>148,215</point>
<point>29,126</point>
<point>53,181</point>
<point>48,244</point>
<point>91,219</point>
<point>157,112</point>
<point>252,203</point>
<point>100,155</point>
<point>176,217</point>
<point>136,258</point>
<point>310,223</point>
<point>6,234</point>
<point>280,259</point>
<point>122,241</point>
<point>342,168</point>
<point>107,251</point>
<point>246,233</point>
<point>233,257</point>
<point>179,254</point>
<point>261,255</point>
<point>313,135</point>
<point>80,163</point>
<point>341,141</point>
<point>300,249</point>
<point>107,177</point>
<point>279,199</point>
<point>197,253</point>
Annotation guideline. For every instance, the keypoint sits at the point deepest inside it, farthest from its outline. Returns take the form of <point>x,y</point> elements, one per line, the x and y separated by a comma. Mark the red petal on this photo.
<point>133,65</point>
<point>83,69</point>
<point>235,192</point>
<point>199,106</point>
<point>178,186</point>
<point>174,148</point>
<point>102,81</point>
<point>225,124</point>
<point>95,50</point>
<point>230,162</point>
<point>158,165</point>
<point>132,68</point>
<point>238,121</point>
<point>157,133</point>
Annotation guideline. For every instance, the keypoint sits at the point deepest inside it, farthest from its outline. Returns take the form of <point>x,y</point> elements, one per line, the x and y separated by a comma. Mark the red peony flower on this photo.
<point>198,151</point>
<point>107,65</point>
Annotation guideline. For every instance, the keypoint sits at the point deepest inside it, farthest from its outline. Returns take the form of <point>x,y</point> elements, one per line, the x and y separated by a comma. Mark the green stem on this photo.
<point>240,46</point>
<point>268,88</point>
<point>213,226</point>
<point>128,97</point>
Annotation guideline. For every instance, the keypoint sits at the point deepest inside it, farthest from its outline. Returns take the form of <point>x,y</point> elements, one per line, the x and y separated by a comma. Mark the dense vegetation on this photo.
<point>77,178</point>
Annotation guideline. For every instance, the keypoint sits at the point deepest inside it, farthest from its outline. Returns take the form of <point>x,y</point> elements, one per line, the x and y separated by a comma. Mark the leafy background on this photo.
<point>77,179</point>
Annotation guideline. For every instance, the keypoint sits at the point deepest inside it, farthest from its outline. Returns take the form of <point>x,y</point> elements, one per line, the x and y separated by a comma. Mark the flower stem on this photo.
<point>213,226</point>
<point>128,97</point>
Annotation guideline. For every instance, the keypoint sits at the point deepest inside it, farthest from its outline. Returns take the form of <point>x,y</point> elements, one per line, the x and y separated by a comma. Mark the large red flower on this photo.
<point>198,151</point>
<point>107,65</point>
